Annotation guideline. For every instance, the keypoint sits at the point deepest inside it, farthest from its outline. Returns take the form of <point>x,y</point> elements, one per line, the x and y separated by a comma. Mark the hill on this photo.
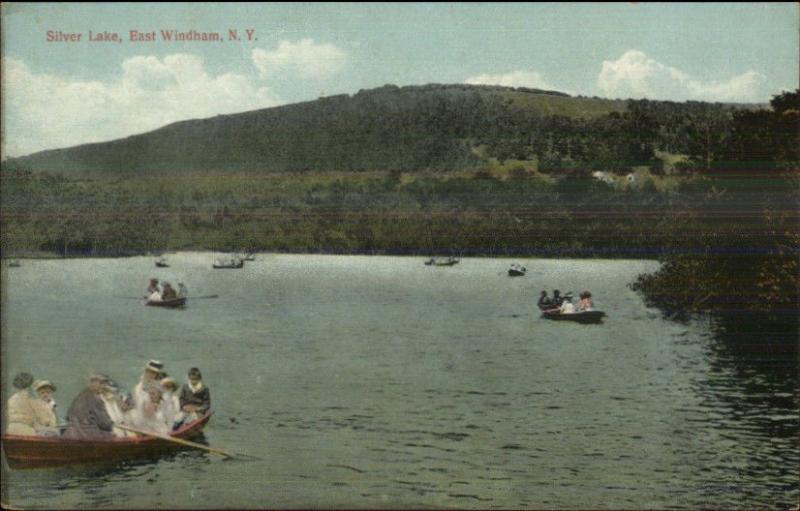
<point>431,127</point>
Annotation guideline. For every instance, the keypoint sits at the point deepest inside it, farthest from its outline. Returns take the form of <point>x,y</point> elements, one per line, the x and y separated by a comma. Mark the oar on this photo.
<point>188,297</point>
<point>180,441</point>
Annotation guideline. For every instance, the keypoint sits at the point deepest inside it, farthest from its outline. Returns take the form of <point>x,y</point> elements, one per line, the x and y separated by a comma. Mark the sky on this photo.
<point>60,93</point>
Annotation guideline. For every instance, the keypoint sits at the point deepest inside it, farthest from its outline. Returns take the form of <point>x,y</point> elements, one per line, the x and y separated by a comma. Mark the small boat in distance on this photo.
<point>517,271</point>
<point>442,261</point>
<point>585,317</point>
<point>250,256</point>
<point>162,263</point>
<point>231,264</point>
<point>54,451</point>
<point>172,302</point>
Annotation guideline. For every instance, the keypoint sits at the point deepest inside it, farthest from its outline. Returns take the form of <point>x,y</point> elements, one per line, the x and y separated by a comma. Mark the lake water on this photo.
<point>370,382</point>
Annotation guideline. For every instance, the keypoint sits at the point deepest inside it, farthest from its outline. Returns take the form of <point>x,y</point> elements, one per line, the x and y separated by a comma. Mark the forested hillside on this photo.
<point>419,128</point>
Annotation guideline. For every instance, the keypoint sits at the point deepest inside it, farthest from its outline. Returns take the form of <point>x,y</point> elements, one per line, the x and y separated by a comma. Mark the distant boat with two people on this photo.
<point>561,308</point>
<point>442,261</point>
<point>517,271</point>
<point>162,263</point>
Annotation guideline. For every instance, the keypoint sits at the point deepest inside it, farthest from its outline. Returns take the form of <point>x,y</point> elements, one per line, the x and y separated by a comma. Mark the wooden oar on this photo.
<point>180,441</point>
<point>188,297</point>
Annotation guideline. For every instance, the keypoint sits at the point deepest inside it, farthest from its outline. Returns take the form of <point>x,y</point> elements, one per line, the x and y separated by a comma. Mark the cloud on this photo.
<point>530,79</point>
<point>305,59</point>
<point>44,111</point>
<point>635,75</point>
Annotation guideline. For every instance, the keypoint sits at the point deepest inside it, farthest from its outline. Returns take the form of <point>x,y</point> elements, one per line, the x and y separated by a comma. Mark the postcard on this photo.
<point>402,255</point>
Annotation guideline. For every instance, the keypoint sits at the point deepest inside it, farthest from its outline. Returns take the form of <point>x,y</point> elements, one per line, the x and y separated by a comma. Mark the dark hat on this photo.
<point>23,380</point>
<point>556,292</point>
<point>195,372</point>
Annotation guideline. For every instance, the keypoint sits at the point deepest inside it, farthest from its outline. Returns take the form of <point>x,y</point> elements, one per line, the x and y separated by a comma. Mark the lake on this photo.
<point>379,382</point>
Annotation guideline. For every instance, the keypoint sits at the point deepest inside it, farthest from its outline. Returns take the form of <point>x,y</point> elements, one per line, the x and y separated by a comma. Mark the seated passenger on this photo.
<point>195,399</point>
<point>115,408</point>
<point>152,415</point>
<point>171,402</point>
<point>153,290</point>
<point>87,416</point>
<point>44,407</point>
<point>21,415</point>
<point>557,298</point>
<point>586,303</point>
<point>544,302</point>
<point>169,292</point>
<point>567,307</point>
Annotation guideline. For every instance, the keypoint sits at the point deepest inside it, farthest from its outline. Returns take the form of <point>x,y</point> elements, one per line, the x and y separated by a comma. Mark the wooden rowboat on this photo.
<point>585,317</point>
<point>46,452</point>
<point>174,302</point>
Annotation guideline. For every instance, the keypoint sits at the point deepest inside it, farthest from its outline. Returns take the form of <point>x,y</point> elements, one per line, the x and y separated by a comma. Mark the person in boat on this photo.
<point>586,303</point>
<point>171,402</point>
<point>21,414</point>
<point>567,307</point>
<point>153,288</point>
<point>169,292</point>
<point>87,417</point>
<point>152,417</point>
<point>151,374</point>
<point>44,407</point>
<point>544,302</point>
<point>195,398</point>
<point>557,298</point>
<point>115,407</point>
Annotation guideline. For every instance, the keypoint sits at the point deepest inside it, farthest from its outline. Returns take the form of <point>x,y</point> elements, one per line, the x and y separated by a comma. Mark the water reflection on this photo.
<point>750,400</point>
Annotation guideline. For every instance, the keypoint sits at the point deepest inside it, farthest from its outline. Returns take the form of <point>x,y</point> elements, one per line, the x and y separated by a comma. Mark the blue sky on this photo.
<point>58,94</point>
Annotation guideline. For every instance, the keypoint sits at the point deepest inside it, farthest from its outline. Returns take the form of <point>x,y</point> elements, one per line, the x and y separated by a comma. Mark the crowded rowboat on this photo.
<point>102,423</point>
<point>561,308</point>
<point>165,296</point>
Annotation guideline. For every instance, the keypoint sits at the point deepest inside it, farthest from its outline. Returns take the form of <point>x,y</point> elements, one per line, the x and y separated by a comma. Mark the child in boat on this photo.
<point>195,399</point>
<point>44,407</point>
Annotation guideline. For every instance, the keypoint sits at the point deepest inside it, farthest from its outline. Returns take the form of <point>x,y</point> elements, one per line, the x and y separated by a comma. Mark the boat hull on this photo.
<point>227,266</point>
<point>175,302</point>
<point>48,452</point>
<point>516,273</point>
<point>586,317</point>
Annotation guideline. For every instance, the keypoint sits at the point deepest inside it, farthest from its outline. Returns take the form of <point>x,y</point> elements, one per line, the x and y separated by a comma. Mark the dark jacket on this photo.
<point>87,417</point>
<point>545,303</point>
<point>201,399</point>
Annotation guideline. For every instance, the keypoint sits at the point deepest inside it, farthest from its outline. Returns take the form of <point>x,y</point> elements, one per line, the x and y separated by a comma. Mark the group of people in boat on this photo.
<point>156,293</point>
<point>564,304</point>
<point>101,411</point>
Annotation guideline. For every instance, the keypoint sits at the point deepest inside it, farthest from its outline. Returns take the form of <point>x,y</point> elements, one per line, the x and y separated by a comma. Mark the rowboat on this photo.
<point>437,261</point>
<point>44,452</point>
<point>162,263</point>
<point>232,265</point>
<point>173,302</point>
<point>585,317</point>
<point>517,271</point>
